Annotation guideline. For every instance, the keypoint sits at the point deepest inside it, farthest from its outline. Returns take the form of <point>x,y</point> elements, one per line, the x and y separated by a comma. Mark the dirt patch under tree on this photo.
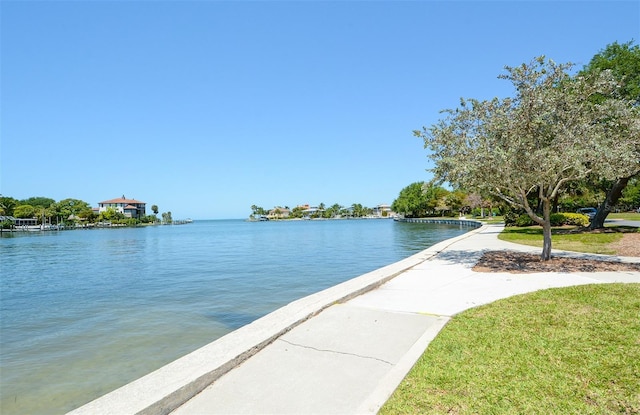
<point>520,262</point>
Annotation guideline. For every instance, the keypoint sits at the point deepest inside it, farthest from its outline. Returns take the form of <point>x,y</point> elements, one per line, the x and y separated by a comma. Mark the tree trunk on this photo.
<point>546,230</point>
<point>613,194</point>
<point>540,208</point>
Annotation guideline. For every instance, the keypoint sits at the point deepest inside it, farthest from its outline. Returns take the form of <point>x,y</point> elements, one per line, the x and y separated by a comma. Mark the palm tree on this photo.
<point>333,211</point>
<point>357,210</point>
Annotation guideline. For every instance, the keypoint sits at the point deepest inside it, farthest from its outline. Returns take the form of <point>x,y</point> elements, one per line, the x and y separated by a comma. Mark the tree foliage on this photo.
<point>38,201</point>
<point>631,194</point>
<point>623,60</point>
<point>548,134</point>
<point>110,214</point>
<point>358,210</point>
<point>421,199</point>
<point>24,211</point>
<point>411,202</point>
<point>166,218</point>
<point>257,210</point>
<point>87,214</point>
<point>333,211</point>
<point>67,208</point>
<point>7,204</point>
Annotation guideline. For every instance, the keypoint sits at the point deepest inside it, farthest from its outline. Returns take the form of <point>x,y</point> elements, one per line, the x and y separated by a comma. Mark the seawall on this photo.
<point>461,222</point>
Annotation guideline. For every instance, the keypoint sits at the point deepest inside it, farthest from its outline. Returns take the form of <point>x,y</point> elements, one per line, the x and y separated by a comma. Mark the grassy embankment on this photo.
<point>571,350</point>
<point>596,242</point>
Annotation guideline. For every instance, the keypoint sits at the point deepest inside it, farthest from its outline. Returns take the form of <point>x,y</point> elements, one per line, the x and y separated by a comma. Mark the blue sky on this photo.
<point>205,108</point>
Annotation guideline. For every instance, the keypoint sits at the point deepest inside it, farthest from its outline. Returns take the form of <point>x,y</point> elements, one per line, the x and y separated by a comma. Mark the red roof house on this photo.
<point>131,208</point>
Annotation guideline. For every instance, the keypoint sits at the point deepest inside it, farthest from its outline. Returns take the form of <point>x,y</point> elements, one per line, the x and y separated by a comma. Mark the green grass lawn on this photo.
<point>489,219</point>
<point>597,243</point>
<point>572,350</point>
<point>625,216</point>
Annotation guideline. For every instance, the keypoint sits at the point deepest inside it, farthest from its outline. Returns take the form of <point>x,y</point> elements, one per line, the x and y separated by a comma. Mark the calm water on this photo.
<point>83,312</point>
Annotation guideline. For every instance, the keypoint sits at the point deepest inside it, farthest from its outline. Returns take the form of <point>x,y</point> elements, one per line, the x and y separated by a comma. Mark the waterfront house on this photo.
<point>279,213</point>
<point>20,222</point>
<point>382,211</point>
<point>311,212</point>
<point>131,208</point>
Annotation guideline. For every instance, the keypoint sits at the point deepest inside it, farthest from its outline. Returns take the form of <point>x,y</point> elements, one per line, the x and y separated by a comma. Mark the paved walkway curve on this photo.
<point>350,356</point>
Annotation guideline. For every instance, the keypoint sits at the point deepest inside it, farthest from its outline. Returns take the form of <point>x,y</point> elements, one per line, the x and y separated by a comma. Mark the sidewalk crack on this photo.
<point>336,352</point>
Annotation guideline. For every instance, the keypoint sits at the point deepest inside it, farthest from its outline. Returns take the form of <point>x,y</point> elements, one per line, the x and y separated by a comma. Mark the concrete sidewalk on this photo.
<point>351,356</point>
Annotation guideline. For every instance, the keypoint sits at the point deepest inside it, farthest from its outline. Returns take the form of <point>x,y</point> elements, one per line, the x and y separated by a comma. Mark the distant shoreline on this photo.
<point>314,219</point>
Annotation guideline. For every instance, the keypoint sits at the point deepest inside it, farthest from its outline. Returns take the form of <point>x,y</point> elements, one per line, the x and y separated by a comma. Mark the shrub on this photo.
<point>557,219</point>
<point>131,221</point>
<point>524,220</point>
<point>510,218</point>
<point>575,219</point>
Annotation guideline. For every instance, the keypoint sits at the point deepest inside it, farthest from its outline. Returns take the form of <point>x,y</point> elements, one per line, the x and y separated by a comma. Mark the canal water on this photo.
<point>83,312</point>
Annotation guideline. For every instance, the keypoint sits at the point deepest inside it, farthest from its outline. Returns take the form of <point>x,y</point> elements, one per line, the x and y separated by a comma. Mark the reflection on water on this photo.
<point>85,311</point>
<point>408,236</point>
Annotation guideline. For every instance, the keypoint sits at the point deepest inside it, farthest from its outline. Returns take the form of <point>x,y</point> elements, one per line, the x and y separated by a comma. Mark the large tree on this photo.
<point>69,208</point>
<point>631,195</point>
<point>38,201</point>
<point>7,204</point>
<point>623,60</point>
<point>548,134</point>
<point>24,211</point>
<point>412,201</point>
<point>357,210</point>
